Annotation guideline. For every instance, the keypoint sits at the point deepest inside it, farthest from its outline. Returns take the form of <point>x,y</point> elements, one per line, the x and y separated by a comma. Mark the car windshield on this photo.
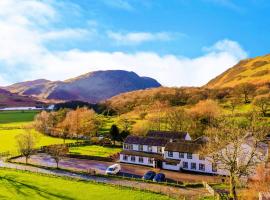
<point>111,169</point>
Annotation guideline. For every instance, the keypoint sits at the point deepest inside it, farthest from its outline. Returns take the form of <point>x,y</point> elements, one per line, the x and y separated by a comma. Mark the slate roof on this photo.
<point>167,134</point>
<point>184,147</point>
<point>146,140</point>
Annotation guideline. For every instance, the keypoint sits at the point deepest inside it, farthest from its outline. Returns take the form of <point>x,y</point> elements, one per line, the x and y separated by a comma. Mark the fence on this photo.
<point>216,193</point>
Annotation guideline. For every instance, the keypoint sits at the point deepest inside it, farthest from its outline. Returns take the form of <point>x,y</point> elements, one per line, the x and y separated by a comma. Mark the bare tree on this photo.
<point>233,103</point>
<point>57,152</point>
<point>263,103</point>
<point>26,143</point>
<point>247,89</point>
<point>236,149</point>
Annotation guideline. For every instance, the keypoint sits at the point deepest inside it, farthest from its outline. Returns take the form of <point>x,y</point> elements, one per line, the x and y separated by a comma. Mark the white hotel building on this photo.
<point>168,150</point>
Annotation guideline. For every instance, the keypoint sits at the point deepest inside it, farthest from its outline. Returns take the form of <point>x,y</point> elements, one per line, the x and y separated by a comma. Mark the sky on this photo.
<point>177,42</point>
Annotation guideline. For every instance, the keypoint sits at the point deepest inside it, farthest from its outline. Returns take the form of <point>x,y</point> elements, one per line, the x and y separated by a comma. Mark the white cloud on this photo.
<point>134,38</point>
<point>170,70</point>
<point>24,55</point>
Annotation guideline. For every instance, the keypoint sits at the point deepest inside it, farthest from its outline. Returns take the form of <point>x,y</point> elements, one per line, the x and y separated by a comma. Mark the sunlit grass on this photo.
<point>25,185</point>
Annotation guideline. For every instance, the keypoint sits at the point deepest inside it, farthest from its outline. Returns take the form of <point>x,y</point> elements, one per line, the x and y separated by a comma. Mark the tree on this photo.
<point>124,123</point>
<point>64,129</point>
<point>123,135</point>
<point>245,89</point>
<point>41,122</point>
<point>114,132</point>
<point>263,103</point>
<point>236,149</point>
<point>57,152</point>
<point>177,119</point>
<point>233,103</point>
<point>141,128</point>
<point>26,143</point>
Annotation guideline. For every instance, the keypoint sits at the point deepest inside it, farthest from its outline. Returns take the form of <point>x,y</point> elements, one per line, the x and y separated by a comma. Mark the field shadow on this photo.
<point>23,189</point>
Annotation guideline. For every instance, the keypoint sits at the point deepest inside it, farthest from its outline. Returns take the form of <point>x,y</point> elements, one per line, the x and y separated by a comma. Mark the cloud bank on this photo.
<point>24,53</point>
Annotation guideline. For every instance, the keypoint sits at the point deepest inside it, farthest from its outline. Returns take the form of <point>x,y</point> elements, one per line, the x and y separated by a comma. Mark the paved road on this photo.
<point>126,169</point>
<point>189,193</point>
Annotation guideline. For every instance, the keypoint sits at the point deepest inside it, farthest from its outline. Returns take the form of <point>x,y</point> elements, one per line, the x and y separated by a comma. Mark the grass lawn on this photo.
<point>11,123</point>
<point>19,185</point>
<point>94,150</point>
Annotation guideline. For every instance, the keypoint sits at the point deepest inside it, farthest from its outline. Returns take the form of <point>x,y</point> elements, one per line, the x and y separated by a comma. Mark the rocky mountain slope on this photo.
<point>254,70</point>
<point>8,99</point>
<point>91,87</point>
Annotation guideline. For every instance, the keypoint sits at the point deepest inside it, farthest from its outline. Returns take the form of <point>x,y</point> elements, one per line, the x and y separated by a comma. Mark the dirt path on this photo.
<point>178,193</point>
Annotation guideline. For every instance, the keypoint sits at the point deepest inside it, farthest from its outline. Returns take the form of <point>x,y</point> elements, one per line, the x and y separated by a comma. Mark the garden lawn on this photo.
<point>94,150</point>
<point>18,185</point>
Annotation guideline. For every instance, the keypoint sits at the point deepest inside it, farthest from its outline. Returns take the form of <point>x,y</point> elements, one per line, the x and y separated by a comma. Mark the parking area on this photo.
<point>126,169</point>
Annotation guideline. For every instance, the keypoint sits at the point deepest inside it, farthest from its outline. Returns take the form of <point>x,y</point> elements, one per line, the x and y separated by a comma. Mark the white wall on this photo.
<point>195,159</point>
<point>145,160</point>
<point>171,167</point>
<point>145,148</point>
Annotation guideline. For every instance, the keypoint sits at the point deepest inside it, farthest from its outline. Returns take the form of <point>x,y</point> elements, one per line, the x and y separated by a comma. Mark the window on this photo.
<point>170,154</point>
<point>214,167</point>
<point>201,157</point>
<point>149,148</point>
<point>201,167</point>
<point>141,159</point>
<point>125,146</point>
<point>189,155</point>
<point>159,149</point>
<point>140,147</point>
<point>125,157</point>
<point>128,146</point>
<point>150,160</point>
<point>193,166</point>
<point>185,165</point>
<point>133,158</point>
<point>181,155</point>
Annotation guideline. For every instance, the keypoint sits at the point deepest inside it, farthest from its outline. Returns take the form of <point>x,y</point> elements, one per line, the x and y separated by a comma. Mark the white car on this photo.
<point>113,169</point>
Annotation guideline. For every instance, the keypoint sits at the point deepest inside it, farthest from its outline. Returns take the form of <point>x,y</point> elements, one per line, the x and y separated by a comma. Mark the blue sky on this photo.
<point>178,42</point>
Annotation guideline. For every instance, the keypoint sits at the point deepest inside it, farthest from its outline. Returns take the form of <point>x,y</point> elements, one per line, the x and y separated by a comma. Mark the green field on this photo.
<point>11,125</point>
<point>16,116</point>
<point>25,185</point>
<point>94,150</point>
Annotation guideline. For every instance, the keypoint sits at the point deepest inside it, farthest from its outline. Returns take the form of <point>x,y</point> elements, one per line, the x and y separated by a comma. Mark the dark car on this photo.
<point>159,177</point>
<point>149,175</point>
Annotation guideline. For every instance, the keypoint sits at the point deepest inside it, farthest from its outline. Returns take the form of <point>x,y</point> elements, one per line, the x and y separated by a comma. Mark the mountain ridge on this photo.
<point>91,87</point>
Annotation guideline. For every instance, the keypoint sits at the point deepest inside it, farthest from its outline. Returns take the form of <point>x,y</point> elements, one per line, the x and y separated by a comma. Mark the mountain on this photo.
<point>8,99</point>
<point>253,70</point>
<point>21,87</point>
<point>91,87</point>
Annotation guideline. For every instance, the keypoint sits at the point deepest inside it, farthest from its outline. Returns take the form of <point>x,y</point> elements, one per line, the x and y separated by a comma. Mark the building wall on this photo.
<point>195,159</point>
<point>171,167</point>
<point>145,148</point>
<point>145,160</point>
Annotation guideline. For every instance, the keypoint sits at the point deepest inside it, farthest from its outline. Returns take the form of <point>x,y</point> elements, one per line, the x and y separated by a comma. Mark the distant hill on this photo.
<point>254,70</point>
<point>91,87</point>
<point>8,99</point>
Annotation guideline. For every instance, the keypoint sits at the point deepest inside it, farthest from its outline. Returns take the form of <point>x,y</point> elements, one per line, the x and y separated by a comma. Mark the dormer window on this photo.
<point>149,148</point>
<point>140,147</point>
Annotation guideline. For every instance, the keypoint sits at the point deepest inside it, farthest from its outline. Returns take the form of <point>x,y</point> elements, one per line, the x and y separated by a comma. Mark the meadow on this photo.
<point>12,124</point>
<point>26,185</point>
